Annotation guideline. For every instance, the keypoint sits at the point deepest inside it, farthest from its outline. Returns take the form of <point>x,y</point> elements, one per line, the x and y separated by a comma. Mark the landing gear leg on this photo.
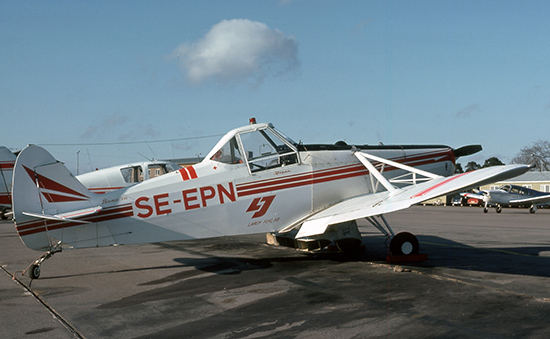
<point>485,209</point>
<point>34,268</point>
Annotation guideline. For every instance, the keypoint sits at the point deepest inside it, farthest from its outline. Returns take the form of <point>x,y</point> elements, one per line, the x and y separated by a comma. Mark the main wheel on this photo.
<point>404,243</point>
<point>34,271</point>
<point>499,209</point>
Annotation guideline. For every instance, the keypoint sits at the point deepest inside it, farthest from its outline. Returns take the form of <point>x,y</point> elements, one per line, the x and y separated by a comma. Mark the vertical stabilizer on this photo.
<point>43,186</point>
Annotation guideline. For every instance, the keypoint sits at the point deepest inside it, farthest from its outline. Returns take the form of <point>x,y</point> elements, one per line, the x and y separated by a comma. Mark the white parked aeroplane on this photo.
<point>7,160</point>
<point>99,181</point>
<point>510,195</point>
<point>255,180</point>
<point>116,177</point>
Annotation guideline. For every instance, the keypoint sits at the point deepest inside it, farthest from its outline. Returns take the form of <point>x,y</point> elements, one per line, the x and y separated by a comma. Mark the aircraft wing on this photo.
<point>536,200</point>
<point>397,199</point>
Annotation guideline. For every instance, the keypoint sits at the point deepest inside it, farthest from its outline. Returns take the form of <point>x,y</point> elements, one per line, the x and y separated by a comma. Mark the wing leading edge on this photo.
<point>536,200</point>
<point>396,199</point>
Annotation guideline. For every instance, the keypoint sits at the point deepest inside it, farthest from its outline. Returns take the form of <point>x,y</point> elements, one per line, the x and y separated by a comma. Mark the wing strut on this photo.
<point>363,157</point>
<point>373,171</point>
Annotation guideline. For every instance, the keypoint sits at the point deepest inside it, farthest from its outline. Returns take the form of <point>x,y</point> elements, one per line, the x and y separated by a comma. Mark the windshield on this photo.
<point>265,148</point>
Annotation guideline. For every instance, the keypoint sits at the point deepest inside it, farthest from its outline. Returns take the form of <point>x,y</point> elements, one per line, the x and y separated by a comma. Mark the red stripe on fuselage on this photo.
<point>332,174</point>
<point>7,165</point>
<point>41,225</point>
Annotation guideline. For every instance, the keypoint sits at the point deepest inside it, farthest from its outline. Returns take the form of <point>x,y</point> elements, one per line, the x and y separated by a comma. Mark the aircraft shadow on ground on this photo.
<point>246,256</point>
<point>507,260</point>
<point>441,252</point>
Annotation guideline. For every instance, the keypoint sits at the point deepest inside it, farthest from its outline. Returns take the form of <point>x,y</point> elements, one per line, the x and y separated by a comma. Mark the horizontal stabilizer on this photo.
<point>67,216</point>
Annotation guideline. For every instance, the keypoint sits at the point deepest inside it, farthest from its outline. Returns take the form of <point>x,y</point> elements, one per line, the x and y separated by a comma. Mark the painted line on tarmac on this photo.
<point>480,249</point>
<point>53,312</point>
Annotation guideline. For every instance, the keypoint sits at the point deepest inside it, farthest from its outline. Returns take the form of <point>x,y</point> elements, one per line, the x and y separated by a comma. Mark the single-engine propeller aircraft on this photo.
<point>510,195</point>
<point>255,180</point>
<point>7,161</point>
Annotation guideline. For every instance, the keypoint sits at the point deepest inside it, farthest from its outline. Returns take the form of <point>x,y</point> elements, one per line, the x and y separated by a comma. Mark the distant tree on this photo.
<point>538,153</point>
<point>493,161</point>
<point>472,165</point>
<point>458,168</point>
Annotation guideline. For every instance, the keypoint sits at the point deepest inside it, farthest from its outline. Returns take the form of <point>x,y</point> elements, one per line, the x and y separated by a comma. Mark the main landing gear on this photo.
<point>34,268</point>
<point>498,208</point>
<point>403,243</point>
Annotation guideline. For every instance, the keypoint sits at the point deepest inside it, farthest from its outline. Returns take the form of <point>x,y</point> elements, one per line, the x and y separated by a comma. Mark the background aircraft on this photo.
<point>510,195</point>
<point>116,177</point>
<point>255,180</point>
<point>100,181</point>
<point>7,160</point>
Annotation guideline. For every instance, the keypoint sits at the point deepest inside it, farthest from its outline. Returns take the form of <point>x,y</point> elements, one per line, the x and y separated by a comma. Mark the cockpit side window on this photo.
<point>156,170</point>
<point>228,153</point>
<point>264,150</point>
<point>132,174</point>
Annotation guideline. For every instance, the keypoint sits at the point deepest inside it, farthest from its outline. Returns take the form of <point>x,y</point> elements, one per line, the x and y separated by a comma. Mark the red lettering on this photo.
<point>159,204</point>
<point>145,207</point>
<point>229,194</point>
<point>207,193</point>
<point>188,198</point>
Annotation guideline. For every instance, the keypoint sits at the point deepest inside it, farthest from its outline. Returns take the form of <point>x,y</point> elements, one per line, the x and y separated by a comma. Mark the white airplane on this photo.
<point>116,177</point>
<point>255,180</point>
<point>99,181</point>
<point>510,195</point>
<point>7,161</point>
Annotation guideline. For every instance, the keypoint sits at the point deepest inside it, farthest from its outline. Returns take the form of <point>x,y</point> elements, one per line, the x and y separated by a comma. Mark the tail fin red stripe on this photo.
<point>46,183</point>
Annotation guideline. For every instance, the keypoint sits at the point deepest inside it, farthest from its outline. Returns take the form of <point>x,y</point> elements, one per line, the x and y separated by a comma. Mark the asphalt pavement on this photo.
<point>487,275</point>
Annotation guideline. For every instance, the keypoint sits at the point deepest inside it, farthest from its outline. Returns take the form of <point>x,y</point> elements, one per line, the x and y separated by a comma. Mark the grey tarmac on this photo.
<point>487,275</point>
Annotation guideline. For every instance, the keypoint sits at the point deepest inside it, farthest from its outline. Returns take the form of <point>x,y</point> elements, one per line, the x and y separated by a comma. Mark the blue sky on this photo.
<point>119,72</point>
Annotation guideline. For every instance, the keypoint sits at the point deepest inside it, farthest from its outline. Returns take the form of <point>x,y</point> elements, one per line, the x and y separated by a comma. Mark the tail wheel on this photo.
<point>34,271</point>
<point>404,243</point>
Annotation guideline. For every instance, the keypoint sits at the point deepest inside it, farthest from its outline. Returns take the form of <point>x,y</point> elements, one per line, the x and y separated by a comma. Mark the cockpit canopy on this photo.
<point>259,146</point>
<point>513,189</point>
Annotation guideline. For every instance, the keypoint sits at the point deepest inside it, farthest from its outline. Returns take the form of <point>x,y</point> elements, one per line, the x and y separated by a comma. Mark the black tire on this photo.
<point>499,209</point>
<point>404,243</point>
<point>34,271</point>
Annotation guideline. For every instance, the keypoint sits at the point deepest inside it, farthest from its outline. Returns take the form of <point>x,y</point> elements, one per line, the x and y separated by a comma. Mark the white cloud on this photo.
<point>107,125</point>
<point>238,50</point>
<point>468,111</point>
